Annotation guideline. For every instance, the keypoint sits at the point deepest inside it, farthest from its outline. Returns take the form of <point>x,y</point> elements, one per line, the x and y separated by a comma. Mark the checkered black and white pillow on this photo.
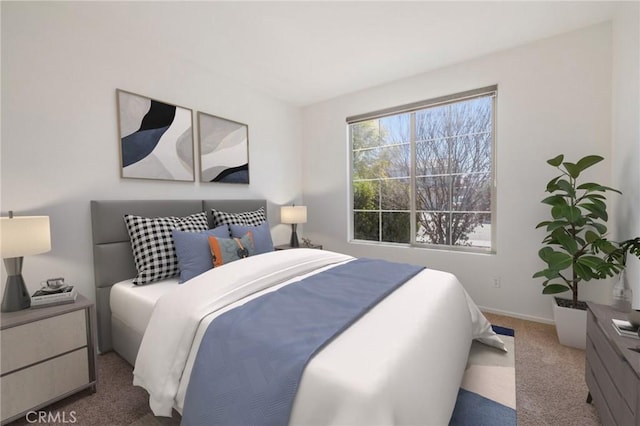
<point>153,249</point>
<point>253,218</point>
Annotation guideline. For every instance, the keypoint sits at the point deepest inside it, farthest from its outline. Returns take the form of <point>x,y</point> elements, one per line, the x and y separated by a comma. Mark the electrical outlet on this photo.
<point>496,282</point>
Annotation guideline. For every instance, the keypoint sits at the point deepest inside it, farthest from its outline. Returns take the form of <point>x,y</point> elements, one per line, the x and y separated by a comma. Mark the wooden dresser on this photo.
<point>47,354</point>
<point>612,369</point>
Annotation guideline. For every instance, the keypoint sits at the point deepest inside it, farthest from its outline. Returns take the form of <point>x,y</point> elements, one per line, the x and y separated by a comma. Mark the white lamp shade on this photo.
<point>293,214</point>
<point>24,235</point>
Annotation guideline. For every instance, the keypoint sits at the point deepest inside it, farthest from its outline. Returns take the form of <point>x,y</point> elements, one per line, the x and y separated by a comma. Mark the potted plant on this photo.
<point>575,248</point>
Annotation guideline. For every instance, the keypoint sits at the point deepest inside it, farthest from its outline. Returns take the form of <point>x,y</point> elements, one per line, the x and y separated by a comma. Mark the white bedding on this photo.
<point>401,363</point>
<point>133,304</point>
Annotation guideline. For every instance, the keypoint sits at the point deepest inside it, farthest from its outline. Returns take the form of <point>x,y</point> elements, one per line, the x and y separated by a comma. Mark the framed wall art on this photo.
<point>224,150</point>
<point>156,139</point>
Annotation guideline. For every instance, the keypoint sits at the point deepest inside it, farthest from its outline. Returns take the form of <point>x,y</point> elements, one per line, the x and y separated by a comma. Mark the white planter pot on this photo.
<point>571,325</point>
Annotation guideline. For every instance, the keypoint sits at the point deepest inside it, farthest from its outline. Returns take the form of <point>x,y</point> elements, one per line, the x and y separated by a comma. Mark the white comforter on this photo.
<point>401,363</point>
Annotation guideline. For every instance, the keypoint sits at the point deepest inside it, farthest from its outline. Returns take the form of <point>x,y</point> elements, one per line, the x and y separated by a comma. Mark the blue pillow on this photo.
<point>192,250</point>
<point>261,236</point>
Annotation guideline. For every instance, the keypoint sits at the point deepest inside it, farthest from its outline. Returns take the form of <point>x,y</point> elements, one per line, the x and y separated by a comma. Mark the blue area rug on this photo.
<point>487,395</point>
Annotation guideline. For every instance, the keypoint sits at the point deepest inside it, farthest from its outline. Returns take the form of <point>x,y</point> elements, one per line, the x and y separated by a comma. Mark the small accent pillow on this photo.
<point>193,252</point>
<point>253,218</point>
<point>154,252</point>
<point>225,250</point>
<point>261,236</point>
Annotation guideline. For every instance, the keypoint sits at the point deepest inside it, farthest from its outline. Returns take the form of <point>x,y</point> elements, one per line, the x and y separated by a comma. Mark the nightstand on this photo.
<point>287,246</point>
<point>47,354</point>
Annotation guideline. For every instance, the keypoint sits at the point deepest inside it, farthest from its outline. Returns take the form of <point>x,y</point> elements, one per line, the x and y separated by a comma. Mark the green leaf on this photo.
<point>591,236</point>
<point>600,227</point>
<point>545,253</point>
<point>559,261</point>
<point>594,197</point>
<point>571,213</point>
<point>555,162</point>
<point>593,262</point>
<point>549,274</point>
<point>608,188</point>
<point>596,211</point>
<point>590,186</point>
<point>557,224</point>
<point>598,203</point>
<point>544,223</point>
<point>552,186</point>
<point>573,170</point>
<point>566,186</point>
<point>556,212</point>
<point>554,200</point>
<point>588,161</point>
<point>540,274</point>
<point>583,272</point>
<point>566,241</point>
<point>606,246</point>
<point>555,288</point>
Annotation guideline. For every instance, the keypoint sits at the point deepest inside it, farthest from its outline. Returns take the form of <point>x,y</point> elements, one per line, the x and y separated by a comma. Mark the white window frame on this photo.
<point>413,107</point>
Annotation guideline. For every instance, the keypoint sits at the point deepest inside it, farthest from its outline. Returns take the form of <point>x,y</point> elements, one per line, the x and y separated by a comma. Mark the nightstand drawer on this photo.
<point>43,382</point>
<point>30,343</point>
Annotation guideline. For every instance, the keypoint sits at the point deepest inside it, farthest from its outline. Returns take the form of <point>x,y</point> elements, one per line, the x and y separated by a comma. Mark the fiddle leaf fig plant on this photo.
<point>576,248</point>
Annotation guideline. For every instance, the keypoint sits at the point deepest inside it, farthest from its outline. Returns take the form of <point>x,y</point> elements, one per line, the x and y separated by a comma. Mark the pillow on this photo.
<point>261,236</point>
<point>193,252</point>
<point>225,250</point>
<point>253,218</point>
<point>152,243</point>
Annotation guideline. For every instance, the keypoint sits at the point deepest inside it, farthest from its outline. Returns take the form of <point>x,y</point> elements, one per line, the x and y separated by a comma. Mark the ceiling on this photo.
<point>307,52</point>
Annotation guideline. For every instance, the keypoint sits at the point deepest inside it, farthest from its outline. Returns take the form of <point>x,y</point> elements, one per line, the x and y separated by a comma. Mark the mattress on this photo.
<point>133,304</point>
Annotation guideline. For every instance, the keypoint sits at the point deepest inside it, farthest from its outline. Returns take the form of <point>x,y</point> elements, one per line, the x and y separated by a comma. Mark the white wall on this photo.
<point>61,65</point>
<point>626,131</point>
<point>554,97</point>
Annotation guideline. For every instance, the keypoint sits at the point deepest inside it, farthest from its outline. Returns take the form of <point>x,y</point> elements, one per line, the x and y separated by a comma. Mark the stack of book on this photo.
<point>49,297</point>
<point>625,328</point>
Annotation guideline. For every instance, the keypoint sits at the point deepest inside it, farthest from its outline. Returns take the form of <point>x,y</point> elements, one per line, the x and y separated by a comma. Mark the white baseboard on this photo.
<point>517,315</point>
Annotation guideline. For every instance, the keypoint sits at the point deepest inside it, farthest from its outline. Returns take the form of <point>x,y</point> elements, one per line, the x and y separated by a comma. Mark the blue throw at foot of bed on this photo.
<point>251,358</point>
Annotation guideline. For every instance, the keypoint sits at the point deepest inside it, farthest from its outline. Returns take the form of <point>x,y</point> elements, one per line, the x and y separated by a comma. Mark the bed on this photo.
<point>401,363</point>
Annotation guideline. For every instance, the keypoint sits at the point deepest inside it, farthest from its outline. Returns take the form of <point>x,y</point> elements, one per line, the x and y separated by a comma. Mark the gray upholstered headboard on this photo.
<point>112,255</point>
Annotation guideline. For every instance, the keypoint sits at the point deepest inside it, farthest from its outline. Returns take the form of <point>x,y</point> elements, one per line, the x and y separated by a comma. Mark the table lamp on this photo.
<point>293,215</point>
<point>20,236</point>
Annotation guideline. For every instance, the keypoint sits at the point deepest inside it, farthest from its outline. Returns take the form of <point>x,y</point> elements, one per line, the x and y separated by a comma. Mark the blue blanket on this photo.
<point>251,358</point>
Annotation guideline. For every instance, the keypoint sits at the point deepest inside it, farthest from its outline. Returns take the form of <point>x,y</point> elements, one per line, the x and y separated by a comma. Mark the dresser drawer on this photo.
<point>43,382</point>
<point>606,418</point>
<point>621,374</point>
<point>39,340</point>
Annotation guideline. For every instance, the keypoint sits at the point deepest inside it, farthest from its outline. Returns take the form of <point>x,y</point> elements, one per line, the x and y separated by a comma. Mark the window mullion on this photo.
<point>379,209</point>
<point>412,179</point>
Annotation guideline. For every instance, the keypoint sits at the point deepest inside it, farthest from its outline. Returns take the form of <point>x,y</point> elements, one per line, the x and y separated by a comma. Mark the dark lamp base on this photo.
<point>294,236</point>
<point>16,297</point>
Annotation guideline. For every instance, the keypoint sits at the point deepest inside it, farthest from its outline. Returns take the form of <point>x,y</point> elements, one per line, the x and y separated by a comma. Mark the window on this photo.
<point>422,174</point>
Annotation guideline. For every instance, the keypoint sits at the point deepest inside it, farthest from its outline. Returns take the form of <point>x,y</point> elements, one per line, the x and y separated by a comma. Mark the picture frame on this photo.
<point>156,139</point>
<point>224,149</point>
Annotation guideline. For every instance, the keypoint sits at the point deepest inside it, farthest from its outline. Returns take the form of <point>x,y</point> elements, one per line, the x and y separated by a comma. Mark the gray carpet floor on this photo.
<point>550,386</point>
